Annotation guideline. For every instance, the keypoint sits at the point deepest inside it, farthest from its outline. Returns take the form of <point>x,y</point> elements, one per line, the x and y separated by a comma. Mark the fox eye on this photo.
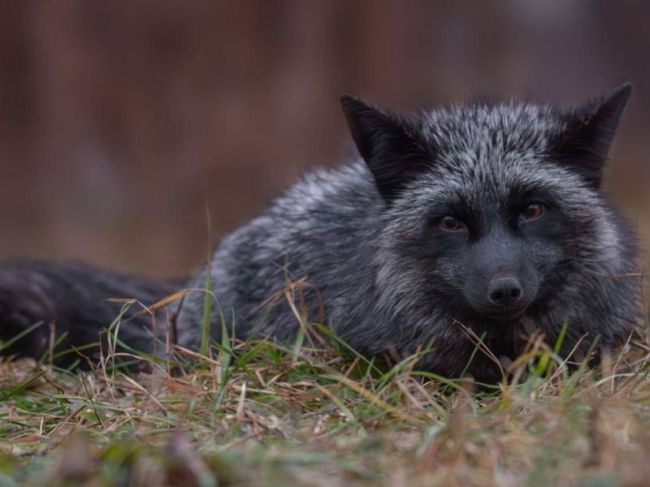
<point>531,212</point>
<point>450,224</point>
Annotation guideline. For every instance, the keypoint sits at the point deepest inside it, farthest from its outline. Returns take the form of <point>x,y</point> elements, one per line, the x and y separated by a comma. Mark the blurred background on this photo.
<point>122,121</point>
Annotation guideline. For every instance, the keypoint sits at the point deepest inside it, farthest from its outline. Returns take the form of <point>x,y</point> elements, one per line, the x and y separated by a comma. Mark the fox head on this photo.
<point>492,209</point>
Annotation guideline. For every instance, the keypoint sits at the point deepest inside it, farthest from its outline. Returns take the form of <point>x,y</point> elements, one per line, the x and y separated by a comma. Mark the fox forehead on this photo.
<point>487,128</point>
<point>491,151</point>
<point>490,181</point>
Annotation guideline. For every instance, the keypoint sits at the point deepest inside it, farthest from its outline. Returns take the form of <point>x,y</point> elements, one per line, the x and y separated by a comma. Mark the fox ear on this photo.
<point>589,133</point>
<point>388,143</point>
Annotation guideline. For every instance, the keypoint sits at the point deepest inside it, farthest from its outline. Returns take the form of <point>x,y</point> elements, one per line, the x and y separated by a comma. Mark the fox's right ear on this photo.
<point>589,134</point>
<point>388,143</point>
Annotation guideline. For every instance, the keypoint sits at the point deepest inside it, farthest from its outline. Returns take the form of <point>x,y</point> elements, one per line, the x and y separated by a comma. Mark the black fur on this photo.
<point>74,298</point>
<point>485,219</point>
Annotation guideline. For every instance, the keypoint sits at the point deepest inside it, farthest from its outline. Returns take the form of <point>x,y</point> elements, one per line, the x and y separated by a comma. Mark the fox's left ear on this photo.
<point>389,144</point>
<point>589,133</point>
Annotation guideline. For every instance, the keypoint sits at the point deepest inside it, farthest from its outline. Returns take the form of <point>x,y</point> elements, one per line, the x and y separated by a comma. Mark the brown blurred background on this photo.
<point>122,120</point>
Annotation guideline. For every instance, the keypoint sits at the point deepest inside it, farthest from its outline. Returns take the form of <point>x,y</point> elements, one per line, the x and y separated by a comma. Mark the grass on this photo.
<point>315,413</point>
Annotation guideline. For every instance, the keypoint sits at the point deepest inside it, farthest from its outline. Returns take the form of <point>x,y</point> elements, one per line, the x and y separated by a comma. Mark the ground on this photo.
<point>315,413</point>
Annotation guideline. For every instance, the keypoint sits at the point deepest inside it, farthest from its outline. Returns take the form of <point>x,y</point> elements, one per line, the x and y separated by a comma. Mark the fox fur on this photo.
<point>477,221</point>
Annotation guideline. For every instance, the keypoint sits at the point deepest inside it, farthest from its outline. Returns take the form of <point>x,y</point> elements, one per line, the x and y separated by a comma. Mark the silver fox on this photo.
<point>478,220</point>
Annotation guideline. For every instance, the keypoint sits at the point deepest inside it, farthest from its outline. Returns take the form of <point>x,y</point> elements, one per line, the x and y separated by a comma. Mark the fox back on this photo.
<point>482,220</point>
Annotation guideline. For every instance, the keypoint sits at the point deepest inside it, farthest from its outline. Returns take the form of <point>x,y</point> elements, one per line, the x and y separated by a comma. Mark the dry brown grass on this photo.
<point>258,414</point>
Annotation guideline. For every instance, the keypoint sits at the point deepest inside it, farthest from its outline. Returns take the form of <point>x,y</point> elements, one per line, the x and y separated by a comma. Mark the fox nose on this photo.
<point>504,292</point>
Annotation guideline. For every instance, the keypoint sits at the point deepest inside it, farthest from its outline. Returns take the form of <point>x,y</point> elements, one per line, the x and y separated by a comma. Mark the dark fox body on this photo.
<point>484,219</point>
